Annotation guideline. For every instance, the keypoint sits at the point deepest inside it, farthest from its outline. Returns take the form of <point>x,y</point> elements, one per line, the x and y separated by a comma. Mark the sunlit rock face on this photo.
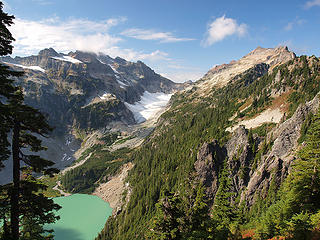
<point>220,75</point>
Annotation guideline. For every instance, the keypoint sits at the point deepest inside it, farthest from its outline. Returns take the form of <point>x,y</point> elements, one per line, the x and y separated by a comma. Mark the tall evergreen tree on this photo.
<point>22,198</point>
<point>166,223</point>
<point>7,88</point>
<point>183,215</point>
<point>304,182</point>
<point>224,212</point>
<point>26,121</point>
<point>196,222</point>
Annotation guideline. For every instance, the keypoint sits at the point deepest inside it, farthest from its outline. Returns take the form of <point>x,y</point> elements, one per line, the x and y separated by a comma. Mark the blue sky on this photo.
<point>181,39</point>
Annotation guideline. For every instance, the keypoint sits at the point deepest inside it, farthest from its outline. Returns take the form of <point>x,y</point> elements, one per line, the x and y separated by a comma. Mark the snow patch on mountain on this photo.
<point>101,61</point>
<point>67,59</point>
<point>149,105</point>
<point>113,69</point>
<point>107,96</point>
<point>268,116</point>
<point>35,68</point>
<point>122,83</point>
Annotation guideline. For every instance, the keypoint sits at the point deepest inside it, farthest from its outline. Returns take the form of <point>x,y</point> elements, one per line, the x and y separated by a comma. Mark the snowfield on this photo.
<point>67,59</point>
<point>149,105</point>
<point>35,68</point>
<point>268,116</point>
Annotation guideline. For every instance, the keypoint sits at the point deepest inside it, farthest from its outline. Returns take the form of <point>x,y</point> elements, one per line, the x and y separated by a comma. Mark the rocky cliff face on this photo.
<point>209,162</point>
<point>275,164</point>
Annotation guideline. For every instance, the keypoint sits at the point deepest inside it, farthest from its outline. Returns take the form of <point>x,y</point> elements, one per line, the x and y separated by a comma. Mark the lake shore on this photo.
<point>112,190</point>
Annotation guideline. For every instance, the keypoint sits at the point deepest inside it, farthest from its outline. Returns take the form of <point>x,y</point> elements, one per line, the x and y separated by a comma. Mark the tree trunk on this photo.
<point>16,181</point>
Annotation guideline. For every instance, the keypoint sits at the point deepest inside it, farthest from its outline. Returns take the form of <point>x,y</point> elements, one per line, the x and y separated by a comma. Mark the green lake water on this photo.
<point>82,217</point>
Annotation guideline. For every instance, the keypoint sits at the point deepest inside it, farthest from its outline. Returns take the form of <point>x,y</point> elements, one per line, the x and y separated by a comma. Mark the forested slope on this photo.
<point>245,176</point>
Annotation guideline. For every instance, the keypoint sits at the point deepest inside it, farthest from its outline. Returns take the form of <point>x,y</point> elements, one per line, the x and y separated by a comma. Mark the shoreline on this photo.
<point>111,191</point>
<point>63,193</point>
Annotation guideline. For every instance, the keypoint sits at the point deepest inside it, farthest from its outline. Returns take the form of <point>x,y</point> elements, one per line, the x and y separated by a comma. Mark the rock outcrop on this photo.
<point>209,160</point>
<point>239,158</point>
<point>277,162</point>
<point>238,151</point>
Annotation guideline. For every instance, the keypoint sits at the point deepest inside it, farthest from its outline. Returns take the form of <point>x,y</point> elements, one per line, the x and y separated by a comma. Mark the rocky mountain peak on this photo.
<point>277,49</point>
<point>105,58</point>
<point>86,57</point>
<point>48,52</point>
<point>220,75</point>
<point>271,56</point>
<point>120,60</point>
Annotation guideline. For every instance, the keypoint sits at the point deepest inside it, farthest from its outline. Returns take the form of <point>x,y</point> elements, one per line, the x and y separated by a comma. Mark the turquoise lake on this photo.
<point>82,217</point>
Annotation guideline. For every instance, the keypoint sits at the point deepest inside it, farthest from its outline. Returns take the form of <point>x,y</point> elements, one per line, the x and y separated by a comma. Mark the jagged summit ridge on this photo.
<point>220,75</point>
<point>124,79</point>
<point>49,52</point>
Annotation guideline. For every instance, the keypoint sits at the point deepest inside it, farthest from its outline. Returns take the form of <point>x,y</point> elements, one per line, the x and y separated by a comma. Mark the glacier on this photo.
<point>67,59</point>
<point>35,68</point>
<point>149,105</point>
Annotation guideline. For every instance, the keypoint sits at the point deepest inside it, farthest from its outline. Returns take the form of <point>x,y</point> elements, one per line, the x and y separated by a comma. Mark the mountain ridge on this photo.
<point>220,75</point>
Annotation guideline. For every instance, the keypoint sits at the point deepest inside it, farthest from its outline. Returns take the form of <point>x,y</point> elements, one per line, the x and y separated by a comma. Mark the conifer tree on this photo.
<point>196,222</point>
<point>166,223</point>
<point>22,198</point>
<point>223,212</point>
<point>183,215</point>
<point>7,88</point>
<point>25,123</point>
<point>305,178</point>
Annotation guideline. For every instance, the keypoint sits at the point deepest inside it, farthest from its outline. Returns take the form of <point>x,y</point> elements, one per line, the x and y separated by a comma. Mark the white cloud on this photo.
<point>155,56</point>
<point>85,35</point>
<point>312,3</point>
<point>221,28</point>
<point>74,34</point>
<point>291,25</point>
<point>163,37</point>
<point>133,55</point>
